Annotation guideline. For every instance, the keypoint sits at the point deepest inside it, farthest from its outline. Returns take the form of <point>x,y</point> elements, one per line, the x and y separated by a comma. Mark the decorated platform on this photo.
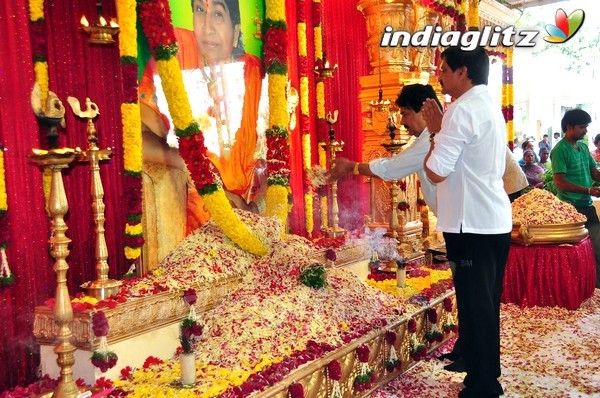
<point>265,328</point>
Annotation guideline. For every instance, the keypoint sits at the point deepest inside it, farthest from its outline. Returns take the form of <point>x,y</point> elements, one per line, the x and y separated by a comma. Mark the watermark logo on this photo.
<point>488,36</point>
<point>565,27</point>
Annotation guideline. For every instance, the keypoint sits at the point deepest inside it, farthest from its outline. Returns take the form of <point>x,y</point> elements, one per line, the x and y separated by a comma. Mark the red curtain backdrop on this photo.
<point>76,69</point>
<point>344,37</point>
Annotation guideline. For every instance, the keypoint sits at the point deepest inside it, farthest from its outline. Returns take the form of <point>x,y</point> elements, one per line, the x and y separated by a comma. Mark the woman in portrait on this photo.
<point>224,86</point>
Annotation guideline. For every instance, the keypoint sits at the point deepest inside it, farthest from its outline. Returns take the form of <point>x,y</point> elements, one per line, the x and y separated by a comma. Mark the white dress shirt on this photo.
<point>409,161</point>
<point>470,152</point>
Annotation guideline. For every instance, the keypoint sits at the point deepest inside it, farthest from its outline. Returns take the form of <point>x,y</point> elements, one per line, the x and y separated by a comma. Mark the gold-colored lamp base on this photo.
<point>334,233</point>
<point>102,289</point>
<point>101,34</point>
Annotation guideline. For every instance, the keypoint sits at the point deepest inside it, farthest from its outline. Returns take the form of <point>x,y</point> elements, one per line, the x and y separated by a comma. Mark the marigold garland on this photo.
<point>155,16</point>
<point>132,131</point>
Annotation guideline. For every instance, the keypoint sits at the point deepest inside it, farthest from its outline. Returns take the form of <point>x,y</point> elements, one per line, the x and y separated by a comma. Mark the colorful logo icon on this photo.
<point>565,27</point>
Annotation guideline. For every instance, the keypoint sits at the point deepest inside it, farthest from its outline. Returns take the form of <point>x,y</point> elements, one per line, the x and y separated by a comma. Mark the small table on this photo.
<point>550,275</point>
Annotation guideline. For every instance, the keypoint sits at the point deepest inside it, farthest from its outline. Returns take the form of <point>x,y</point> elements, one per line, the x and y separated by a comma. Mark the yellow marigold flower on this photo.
<point>309,223</point>
<point>36,10</point>
<point>318,43</point>
<point>302,39</point>
<point>221,212</point>
<point>275,10</point>
<point>324,212</point>
<point>135,229</point>
<point>304,92</point>
<point>3,196</point>
<point>131,253</point>
<point>278,115</point>
<point>277,204</point>
<point>41,77</point>
<point>126,14</point>
<point>132,137</point>
<point>172,80</point>
<point>320,100</point>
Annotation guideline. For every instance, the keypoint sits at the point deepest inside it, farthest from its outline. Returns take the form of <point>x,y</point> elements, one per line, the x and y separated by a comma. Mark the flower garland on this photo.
<point>321,123</point>
<point>155,16</point>
<point>508,93</point>
<point>433,333</point>
<point>458,15</point>
<point>473,18</point>
<point>305,114</point>
<point>417,349</point>
<point>278,179</point>
<point>393,362</point>
<point>102,357</point>
<point>6,276</point>
<point>275,56</point>
<point>366,376</point>
<point>334,371</point>
<point>296,390</point>
<point>132,132</point>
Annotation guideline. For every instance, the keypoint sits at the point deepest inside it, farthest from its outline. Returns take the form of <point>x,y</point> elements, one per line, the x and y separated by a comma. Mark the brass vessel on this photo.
<point>549,234</point>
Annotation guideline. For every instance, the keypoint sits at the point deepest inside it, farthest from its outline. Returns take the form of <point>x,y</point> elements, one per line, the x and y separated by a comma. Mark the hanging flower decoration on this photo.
<point>334,370</point>
<point>305,112</point>
<point>393,362</point>
<point>366,376</point>
<point>132,133</point>
<point>296,390</point>
<point>275,55</point>
<point>155,16</point>
<point>450,325</point>
<point>508,93</point>
<point>278,173</point>
<point>448,304</point>
<point>403,205</point>
<point>102,357</point>
<point>6,276</point>
<point>433,333</point>
<point>417,349</point>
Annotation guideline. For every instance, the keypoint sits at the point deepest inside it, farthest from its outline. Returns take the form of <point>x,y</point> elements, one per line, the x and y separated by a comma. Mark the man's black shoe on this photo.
<point>452,356</point>
<point>456,366</point>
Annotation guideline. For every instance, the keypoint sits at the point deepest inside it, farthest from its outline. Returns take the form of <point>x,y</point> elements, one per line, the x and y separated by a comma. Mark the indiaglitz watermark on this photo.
<point>489,36</point>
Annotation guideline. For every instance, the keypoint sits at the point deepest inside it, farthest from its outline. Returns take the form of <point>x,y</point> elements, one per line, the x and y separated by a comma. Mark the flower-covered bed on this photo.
<point>275,318</point>
<point>272,323</point>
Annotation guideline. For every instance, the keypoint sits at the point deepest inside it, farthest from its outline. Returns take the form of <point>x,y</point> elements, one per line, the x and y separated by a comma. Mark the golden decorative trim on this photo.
<point>133,317</point>
<point>313,377</point>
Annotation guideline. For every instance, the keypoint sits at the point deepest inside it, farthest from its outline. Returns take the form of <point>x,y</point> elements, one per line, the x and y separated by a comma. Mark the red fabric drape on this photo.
<point>76,69</point>
<point>344,38</point>
<point>551,275</point>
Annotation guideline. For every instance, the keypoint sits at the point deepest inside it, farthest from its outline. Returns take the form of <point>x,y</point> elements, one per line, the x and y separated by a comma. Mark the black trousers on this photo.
<point>480,262</point>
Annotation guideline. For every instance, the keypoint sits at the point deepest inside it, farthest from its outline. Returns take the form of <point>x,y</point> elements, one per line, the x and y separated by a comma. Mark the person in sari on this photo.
<point>211,53</point>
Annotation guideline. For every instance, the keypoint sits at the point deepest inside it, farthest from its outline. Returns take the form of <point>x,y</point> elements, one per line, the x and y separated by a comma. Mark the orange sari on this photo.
<point>237,170</point>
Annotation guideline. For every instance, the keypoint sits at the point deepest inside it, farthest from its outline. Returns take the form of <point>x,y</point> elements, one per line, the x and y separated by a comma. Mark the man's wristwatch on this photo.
<point>355,169</point>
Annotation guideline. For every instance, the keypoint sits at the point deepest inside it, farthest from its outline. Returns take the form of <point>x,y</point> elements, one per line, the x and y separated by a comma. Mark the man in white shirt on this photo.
<point>467,161</point>
<point>410,160</point>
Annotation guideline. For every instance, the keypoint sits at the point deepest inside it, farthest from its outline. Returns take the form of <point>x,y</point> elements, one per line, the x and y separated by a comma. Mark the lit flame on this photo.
<point>102,21</point>
<point>113,23</point>
<point>84,21</point>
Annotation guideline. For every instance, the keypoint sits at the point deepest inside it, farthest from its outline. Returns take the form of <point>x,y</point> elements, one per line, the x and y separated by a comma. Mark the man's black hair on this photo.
<point>476,61</point>
<point>575,117</point>
<point>412,96</point>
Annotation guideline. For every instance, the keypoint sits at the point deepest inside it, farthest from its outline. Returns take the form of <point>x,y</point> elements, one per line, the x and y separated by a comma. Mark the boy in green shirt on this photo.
<point>574,171</point>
